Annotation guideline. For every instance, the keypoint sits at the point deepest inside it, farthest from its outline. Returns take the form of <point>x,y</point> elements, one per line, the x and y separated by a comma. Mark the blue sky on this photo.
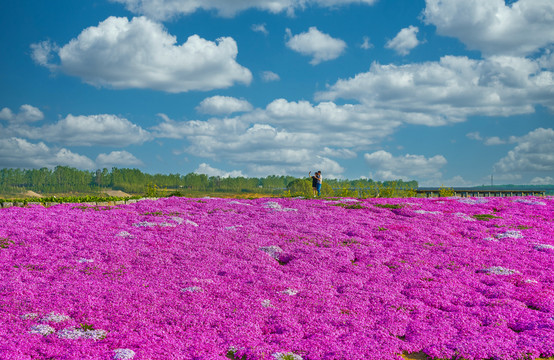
<point>446,92</point>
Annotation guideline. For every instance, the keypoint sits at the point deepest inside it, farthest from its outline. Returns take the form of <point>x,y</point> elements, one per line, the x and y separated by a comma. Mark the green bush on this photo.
<point>300,187</point>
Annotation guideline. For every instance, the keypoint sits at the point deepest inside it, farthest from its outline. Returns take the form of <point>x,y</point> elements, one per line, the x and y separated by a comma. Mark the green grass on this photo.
<point>350,206</point>
<point>5,242</point>
<point>485,217</point>
<point>388,206</point>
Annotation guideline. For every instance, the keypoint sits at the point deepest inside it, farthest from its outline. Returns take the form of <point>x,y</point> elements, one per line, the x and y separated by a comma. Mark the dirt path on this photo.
<point>117,193</point>
<point>33,194</point>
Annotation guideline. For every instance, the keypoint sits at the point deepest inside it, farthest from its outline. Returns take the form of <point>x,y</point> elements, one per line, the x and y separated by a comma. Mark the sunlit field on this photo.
<point>279,278</point>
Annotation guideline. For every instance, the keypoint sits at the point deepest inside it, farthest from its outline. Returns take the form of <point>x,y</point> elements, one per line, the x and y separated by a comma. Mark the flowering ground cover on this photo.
<point>344,279</point>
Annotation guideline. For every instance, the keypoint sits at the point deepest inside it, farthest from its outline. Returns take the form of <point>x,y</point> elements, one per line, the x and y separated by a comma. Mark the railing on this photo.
<point>482,193</point>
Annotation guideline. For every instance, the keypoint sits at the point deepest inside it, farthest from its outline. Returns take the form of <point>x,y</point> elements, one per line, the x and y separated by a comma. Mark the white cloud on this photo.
<point>366,45</point>
<point>474,136</point>
<point>218,105</point>
<point>92,130</point>
<point>448,91</point>
<point>281,138</point>
<point>386,166</point>
<point>17,152</point>
<point>345,126</point>
<point>404,41</point>
<point>339,153</point>
<point>166,9</point>
<point>268,76</point>
<point>117,158</point>
<point>548,180</point>
<point>27,113</point>
<point>493,140</point>
<point>534,153</point>
<point>141,54</point>
<point>42,53</point>
<point>260,28</point>
<point>210,171</point>
<point>320,46</point>
<point>494,27</point>
<point>456,181</point>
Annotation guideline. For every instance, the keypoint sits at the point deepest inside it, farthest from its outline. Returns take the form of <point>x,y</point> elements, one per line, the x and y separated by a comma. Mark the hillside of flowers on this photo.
<point>279,279</point>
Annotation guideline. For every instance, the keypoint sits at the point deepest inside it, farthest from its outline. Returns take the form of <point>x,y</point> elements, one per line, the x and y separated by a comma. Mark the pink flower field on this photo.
<point>272,279</point>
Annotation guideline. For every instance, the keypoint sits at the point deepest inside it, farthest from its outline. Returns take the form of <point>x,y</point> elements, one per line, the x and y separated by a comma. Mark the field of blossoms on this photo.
<point>279,279</point>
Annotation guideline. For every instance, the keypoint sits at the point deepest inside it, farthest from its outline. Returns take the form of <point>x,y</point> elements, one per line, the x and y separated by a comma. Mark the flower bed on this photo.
<point>183,278</point>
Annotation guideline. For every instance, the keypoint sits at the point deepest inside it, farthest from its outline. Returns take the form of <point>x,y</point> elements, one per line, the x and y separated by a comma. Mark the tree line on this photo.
<point>67,179</point>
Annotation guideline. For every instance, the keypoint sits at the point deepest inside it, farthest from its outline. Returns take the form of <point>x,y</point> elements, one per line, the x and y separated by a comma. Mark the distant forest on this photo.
<point>66,179</point>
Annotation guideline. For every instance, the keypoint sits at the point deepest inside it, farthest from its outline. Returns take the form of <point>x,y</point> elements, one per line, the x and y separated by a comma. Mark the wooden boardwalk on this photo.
<point>482,193</point>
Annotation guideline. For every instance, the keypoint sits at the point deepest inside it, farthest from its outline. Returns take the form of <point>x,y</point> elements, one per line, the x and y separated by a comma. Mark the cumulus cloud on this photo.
<point>493,140</point>
<point>91,130</point>
<point>140,53</point>
<point>218,105</point>
<point>534,153</point>
<point>27,113</point>
<point>314,43</point>
<point>260,28</point>
<point>547,180</point>
<point>117,158</point>
<point>404,41</point>
<point>494,27</point>
<point>268,76</point>
<point>166,9</point>
<point>211,171</point>
<point>20,153</point>
<point>448,91</point>
<point>281,137</point>
<point>366,44</point>
<point>345,126</point>
<point>386,166</point>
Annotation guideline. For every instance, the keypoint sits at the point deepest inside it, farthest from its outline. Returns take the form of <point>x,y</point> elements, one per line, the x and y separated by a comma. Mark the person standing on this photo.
<point>319,182</point>
<point>314,182</point>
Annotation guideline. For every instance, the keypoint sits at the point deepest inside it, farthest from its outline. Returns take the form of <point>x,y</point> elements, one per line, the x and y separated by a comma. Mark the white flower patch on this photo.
<point>192,289</point>
<point>464,216</point>
<point>350,200</point>
<point>150,224</point>
<point>272,251</point>
<point>124,354</point>
<point>125,234</point>
<point>266,303</point>
<point>289,291</point>
<point>55,317</point>
<point>529,202</point>
<point>272,205</point>
<point>192,223</point>
<point>491,239</point>
<point>83,260</point>
<point>145,224</point>
<point>76,333</point>
<point>473,201</point>
<point>286,356</point>
<point>239,203</point>
<point>531,281</point>
<point>427,212</point>
<point>178,219</point>
<point>29,316</point>
<point>234,227</point>
<point>513,234</point>
<point>543,247</point>
<point>277,207</point>
<point>499,270</point>
<point>42,329</point>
